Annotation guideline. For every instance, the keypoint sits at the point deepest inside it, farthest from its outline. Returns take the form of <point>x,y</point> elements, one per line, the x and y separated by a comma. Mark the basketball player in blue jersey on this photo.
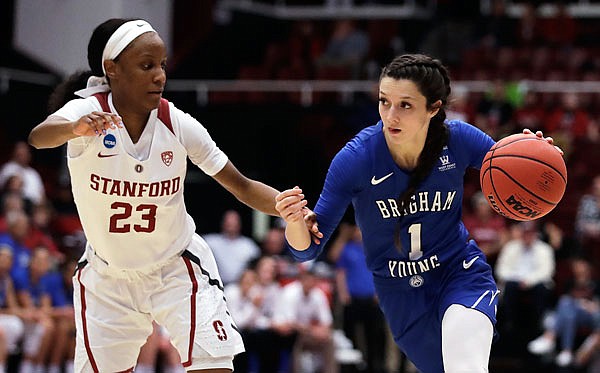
<point>127,151</point>
<point>404,177</point>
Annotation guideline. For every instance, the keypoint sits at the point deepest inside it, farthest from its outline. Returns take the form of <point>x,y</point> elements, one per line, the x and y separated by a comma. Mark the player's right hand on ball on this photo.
<point>96,123</point>
<point>540,134</point>
<point>289,204</point>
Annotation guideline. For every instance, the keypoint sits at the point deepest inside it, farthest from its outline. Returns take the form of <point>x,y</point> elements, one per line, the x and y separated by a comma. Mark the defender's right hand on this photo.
<point>96,123</point>
<point>289,204</point>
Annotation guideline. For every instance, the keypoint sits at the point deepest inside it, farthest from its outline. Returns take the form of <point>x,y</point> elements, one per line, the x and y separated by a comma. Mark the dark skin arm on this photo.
<point>253,193</point>
<point>260,196</point>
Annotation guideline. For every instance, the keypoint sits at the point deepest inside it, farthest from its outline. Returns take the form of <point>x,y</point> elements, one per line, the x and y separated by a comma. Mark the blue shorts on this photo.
<point>415,313</point>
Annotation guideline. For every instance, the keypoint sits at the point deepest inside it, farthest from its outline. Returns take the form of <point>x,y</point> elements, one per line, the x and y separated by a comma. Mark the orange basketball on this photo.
<point>523,177</point>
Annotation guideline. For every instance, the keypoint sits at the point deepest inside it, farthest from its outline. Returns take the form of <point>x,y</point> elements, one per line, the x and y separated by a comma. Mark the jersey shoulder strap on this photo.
<point>164,113</point>
<point>102,98</point>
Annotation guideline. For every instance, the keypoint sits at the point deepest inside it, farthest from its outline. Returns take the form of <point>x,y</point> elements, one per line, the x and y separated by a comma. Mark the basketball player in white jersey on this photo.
<point>127,153</point>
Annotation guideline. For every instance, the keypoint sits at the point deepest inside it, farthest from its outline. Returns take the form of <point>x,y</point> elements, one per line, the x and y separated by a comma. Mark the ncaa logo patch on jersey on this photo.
<point>110,141</point>
<point>416,281</point>
<point>167,157</point>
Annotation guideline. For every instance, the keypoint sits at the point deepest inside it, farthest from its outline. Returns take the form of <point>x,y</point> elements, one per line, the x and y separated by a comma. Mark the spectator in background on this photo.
<point>273,245</point>
<point>14,186</point>
<point>244,304</point>
<point>61,293</point>
<point>253,301</point>
<point>356,293</point>
<point>461,107</point>
<point>585,158</point>
<point>347,47</point>
<point>231,249</point>
<point>578,307</point>
<point>587,221</point>
<point>40,232</point>
<point>305,46</point>
<point>567,122</point>
<point>10,202</point>
<point>33,293</point>
<point>524,269</point>
<point>303,309</point>
<point>267,285</point>
<point>11,326</point>
<point>486,227</point>
<point>496,29</point>
<point>529,29</point>
<point>17,229</point>
<point>530,114</point>
<point>19,164</point>
<point>560,30</point>
<point>494,111</point>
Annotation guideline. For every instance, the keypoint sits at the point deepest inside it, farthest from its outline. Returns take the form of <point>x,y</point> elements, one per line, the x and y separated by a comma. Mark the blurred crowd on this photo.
<point>320,316</point>
<point>323,315</point>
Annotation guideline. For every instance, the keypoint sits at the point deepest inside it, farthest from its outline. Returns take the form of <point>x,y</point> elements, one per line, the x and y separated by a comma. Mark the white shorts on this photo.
<point>13,329</point>
<point>114,312</point>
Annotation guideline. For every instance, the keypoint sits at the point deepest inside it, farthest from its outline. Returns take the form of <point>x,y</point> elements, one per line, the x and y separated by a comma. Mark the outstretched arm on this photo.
<point>55,131</point>
<point>262,197</point>
<point>253,193</point>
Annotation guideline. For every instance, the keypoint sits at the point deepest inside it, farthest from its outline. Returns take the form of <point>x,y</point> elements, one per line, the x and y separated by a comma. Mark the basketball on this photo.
<point>523,177</point>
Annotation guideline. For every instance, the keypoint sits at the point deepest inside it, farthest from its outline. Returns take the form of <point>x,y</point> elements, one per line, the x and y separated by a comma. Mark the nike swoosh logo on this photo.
<point>467,265</point>
<point>375,181</point>
<point>100,155</point>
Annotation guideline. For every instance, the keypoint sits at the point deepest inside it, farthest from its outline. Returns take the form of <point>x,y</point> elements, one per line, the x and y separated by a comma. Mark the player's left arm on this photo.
<point>204,153</point>
<point>253,193</point>
<point>259,196</point>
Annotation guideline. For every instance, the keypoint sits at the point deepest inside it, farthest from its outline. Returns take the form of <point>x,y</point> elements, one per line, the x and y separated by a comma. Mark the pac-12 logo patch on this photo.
<point>167,157</point>
<point>110,141</point>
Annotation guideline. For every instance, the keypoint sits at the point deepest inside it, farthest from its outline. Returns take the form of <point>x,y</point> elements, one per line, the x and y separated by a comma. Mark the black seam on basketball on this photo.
<point>493,150</point>
<point>522,187</point>
<point>504,213</point>
<point>506,209</point>
<point>531,159</point>
<point>516,140</point>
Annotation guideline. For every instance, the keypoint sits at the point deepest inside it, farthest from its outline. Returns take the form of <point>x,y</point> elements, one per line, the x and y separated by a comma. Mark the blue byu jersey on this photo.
<point>437,265</point>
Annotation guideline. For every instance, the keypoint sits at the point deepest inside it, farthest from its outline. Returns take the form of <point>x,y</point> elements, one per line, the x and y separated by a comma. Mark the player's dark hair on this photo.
<point>432,80</point>
<point>64,92</point>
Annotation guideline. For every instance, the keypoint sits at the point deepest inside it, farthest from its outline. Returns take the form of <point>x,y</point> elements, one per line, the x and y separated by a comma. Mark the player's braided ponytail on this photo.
<point>431,78</point>
<point>64,92</point>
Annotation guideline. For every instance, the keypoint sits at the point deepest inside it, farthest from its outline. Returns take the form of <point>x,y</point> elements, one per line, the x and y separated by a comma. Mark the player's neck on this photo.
<point>406,156</point>
<point>134,124</point>
<point>134,118</point>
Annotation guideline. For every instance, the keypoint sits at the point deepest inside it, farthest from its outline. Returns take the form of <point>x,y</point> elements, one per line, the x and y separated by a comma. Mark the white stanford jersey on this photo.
<point>131,207</point>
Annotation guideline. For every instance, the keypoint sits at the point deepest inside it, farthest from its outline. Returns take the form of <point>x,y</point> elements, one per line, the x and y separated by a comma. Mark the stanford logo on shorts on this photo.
<point>221,334</point>
<point>167,157</point>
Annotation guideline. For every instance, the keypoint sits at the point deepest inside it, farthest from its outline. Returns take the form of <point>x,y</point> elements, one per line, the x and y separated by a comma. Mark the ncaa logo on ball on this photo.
<point>110,141</point>
<point>521,207</point>
<point>416,281</point>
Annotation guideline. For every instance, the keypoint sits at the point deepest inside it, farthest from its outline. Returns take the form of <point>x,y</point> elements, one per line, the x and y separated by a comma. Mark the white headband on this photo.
<point>118,41</point>
<point>122,37</point>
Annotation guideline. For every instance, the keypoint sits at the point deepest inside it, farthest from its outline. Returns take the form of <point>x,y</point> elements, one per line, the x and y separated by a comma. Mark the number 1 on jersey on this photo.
<point>415,241</point>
